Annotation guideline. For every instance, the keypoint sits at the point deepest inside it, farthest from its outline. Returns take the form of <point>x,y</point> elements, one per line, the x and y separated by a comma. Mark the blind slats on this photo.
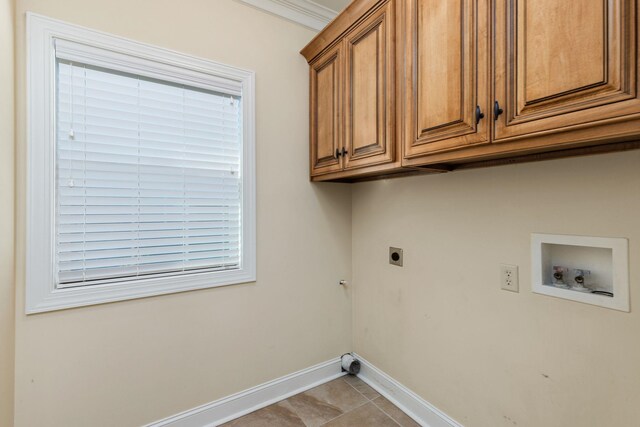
<point>197,163</point>
<point>144,254</point>
<point>105,112</point>
<point>195,235</point>
<point>76,277</point>
<point>148,177</point>
<point>222,164</point>
<point>132,242</point>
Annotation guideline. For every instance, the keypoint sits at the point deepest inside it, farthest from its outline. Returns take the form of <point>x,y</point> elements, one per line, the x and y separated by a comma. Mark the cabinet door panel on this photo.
<point>564,63</point>
<point>326,108</point>
<point>441,75</point>
<point>370,91</point>
<point>447,74</point>
<point>545,69</point>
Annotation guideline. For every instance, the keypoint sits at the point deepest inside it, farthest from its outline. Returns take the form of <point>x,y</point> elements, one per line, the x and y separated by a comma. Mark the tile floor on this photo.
<point>346,401</point>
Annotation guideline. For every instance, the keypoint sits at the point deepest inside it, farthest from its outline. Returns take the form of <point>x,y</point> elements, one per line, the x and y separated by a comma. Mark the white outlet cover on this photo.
<point>509,278</point>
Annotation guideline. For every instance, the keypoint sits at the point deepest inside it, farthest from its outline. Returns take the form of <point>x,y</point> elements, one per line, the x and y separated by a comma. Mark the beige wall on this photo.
<point>134,362</point>
<point>7,294</point>
<point>442,326</point>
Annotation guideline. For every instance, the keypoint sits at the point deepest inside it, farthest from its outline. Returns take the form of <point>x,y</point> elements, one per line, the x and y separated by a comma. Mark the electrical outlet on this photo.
<point>509,277</point>
<point>395,256</point>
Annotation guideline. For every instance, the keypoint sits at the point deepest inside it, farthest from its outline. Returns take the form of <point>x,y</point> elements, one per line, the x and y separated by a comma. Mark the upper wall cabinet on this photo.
<point>326,117</point>
<point>563,64</point>
<point>353,95</point>
<point>437,85</point>
<point>446,87</point>
<point>370,100</point>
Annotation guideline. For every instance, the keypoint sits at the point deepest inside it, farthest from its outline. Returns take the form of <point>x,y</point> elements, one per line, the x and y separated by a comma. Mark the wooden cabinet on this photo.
<point>438,85</point>
<point>352,108</point>
<point>370,96</point>
<point>446,88</point>
<point>326,115</point>
<point>563,64</point>
<point>563,77</point>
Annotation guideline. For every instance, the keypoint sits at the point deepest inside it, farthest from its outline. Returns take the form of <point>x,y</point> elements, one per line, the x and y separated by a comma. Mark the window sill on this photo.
<point>58,299</point>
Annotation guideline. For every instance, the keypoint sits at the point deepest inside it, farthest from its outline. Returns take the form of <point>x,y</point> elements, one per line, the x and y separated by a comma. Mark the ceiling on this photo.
<point>336,5</point>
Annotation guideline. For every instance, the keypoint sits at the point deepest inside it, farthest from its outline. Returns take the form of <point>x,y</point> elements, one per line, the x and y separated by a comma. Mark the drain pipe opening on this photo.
<point>350,364</point>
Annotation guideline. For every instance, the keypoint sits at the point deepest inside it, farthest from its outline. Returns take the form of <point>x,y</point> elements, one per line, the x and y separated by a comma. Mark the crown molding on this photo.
<point>304,12</point>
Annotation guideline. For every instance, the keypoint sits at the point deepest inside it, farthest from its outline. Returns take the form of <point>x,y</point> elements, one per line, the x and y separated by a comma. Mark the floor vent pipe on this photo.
<point>350,364</point>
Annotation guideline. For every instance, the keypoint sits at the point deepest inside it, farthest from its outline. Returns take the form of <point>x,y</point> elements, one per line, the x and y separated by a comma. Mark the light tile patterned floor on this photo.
<point>347,401</point>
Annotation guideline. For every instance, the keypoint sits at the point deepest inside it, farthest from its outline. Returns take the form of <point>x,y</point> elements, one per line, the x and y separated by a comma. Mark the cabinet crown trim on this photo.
<point>355,12</point>
<point>304,12</point>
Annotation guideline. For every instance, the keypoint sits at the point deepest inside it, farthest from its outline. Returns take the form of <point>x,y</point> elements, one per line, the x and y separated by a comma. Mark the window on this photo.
<point>141,170</point>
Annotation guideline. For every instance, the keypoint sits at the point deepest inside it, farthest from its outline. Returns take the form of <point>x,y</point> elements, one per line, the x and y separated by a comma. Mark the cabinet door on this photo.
<point>326,112</point>
<point>564,64</point>
<point>370,92</point>
<point>447,75</point>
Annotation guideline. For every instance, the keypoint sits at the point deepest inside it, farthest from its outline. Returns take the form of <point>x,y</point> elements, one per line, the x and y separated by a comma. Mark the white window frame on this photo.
<point>41,292</point>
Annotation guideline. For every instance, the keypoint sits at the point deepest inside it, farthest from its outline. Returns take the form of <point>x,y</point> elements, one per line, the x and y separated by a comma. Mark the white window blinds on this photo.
<point>148,174</point>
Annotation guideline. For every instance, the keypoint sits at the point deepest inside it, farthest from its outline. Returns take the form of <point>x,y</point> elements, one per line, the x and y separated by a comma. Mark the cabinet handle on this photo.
<point>338,153</point>
<point>497,110</point>
<point>479,114</point>
<point>344,151</point>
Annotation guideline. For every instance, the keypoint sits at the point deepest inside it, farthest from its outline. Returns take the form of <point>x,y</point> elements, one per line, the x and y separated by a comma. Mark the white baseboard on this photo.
<point>413,405</point>
<point>239,404</point>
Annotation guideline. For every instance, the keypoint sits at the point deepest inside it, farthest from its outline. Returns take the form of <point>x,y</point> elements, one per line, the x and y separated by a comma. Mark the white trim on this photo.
<point>304,12</point>
<point>239,404</point>
<point>41,293</point>
<point>620,269</point>
<point>410,403</point>
<point>76,51</point>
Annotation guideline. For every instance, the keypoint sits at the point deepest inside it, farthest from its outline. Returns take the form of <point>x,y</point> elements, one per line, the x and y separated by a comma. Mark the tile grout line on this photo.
<point>385,412</point>
<point>352,409</point>
<point>371,400</point>
<point>353,387</point>
<point>360,406</point>
<point>349,384</point>
<point>367,400</point>
<point>295,411</point>
<point>345,413</point>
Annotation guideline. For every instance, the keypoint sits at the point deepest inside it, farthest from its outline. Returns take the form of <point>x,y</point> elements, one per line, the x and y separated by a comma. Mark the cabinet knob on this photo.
<point>497,110</point>
<point>338,153</point>
<point>344,151</point>
<point>479,114</point>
